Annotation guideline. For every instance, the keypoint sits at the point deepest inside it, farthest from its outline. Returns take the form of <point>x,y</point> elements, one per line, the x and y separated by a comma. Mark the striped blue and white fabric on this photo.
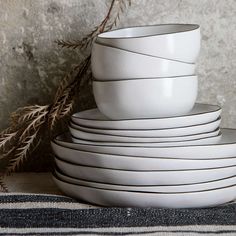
<point>40,214</point>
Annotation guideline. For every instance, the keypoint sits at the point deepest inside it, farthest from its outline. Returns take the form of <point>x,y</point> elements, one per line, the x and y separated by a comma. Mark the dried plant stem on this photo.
<point>63,104</point>
<point>29,123</point>
<point>21,153</point>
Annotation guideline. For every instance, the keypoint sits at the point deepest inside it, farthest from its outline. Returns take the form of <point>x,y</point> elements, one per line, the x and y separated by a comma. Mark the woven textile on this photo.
<point>40,214</point>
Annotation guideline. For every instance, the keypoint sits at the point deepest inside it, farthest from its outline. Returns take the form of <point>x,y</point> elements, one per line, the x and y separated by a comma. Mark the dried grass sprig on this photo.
<point>17,145</point>
<point>27,113</point>
<point>27,124</point>
<point>22,152</point>
<point>5,139</point>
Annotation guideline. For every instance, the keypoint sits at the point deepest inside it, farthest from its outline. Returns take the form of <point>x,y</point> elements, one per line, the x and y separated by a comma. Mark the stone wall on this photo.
<point>31,64</point>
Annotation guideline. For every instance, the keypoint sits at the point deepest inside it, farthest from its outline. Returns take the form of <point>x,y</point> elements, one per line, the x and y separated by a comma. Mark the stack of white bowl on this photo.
<point>148,144</point>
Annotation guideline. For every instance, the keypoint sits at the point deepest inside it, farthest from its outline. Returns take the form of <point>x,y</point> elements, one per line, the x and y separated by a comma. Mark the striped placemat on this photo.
<point>41,214</point>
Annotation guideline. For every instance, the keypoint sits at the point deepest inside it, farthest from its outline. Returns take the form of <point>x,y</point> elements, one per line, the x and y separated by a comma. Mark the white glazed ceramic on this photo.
<point>107,136</point>
<point>108,197</point>
<point>89,158</point>
<point>173,41</point>
<point>200,114</point>
<point>109,63</point>
<point>164,188</point>
<point>172,132</point>
<point>202,141</point>
<point>146,98</point>
<point>225,148</point>
<point>135,177</point>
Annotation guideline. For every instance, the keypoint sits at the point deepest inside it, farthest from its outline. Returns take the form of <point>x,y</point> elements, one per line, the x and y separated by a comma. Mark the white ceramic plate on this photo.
<point>107,197</point>
<point>202,141</point>
<point>225,148</point>
<point>172,132</point>
<point>102,135</point>
<point>201,113</point>
<point>164,188</point>
<point>136,163</point>
<point>128,177</point>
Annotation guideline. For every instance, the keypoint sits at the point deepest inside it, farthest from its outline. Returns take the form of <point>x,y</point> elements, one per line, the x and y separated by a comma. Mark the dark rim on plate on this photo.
<point>160,118</point>
<point>57,170</point>
<point>169,147</point>
<point>142,171</point>
<point>113,135</point>
<point>54,142</point>
<point>141,143</point>
<point>172,128</point>
<point>167,193</point>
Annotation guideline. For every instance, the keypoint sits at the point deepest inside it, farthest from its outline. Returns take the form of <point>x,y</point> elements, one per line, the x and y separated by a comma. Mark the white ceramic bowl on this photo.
<point>123,162</point>
<point>174,41</point>
<point>225,148</point>
<point>200,114</point>
<point>155,189</point>
<point>110,63</point>
<point>135,177</point>
<point>106,197</point>
<point>146,98</point>
<point>108,136</point>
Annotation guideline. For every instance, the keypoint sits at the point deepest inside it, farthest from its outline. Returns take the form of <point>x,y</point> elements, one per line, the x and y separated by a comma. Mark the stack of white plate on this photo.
<point>148,144</point>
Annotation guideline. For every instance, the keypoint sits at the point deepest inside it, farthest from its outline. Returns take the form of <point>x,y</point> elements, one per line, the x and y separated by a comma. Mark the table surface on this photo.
<point>57,215</point>
<point>31,182</point>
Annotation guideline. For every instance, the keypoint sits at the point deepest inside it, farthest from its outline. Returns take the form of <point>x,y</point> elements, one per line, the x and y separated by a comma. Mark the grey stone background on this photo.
<point>31,64</point>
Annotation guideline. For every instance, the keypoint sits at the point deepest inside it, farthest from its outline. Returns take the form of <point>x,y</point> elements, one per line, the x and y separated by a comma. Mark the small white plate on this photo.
<point>164,188</point>
<point>226,147</point>
<point>202,141</point>
<point>128,177</point>
<point>117,198</point>
<point>158,135</point>
<point>201,113</point>
<point>136,163</point>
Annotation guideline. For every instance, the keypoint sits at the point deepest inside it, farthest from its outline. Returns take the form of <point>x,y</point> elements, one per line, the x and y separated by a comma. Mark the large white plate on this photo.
<point>107,197</point>
<point>136,163</point>
<point>226,147</point>
<point>201,113</point>
<point>128,177</point>
<point>123,135</point>
<point>210,140</point>
<point>164,188</point>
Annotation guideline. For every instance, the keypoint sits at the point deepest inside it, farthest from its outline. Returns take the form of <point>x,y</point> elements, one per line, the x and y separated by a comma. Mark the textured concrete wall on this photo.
<point>31,64</point>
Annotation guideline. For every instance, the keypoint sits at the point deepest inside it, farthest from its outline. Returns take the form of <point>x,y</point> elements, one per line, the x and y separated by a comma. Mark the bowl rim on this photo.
<point>194,27</point>
<point>109,47</point>
<point>148,79</point>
